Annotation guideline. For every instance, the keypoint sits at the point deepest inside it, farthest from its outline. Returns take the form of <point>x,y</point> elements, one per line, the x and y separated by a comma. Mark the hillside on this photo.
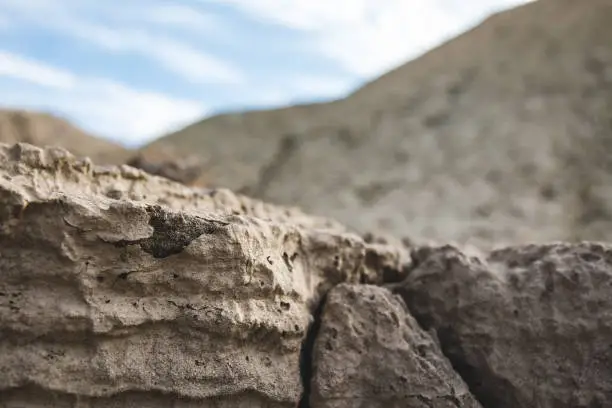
<point>500,135</point>
<point>43,129</point>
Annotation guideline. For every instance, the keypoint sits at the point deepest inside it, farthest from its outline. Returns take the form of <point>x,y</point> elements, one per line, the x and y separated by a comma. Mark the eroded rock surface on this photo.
<point>529,326</point>
<point>122,289</point>
<point>370,352</point>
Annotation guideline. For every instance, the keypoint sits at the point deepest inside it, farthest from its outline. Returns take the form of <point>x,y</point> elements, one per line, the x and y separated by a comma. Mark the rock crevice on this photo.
<point>306,355</point>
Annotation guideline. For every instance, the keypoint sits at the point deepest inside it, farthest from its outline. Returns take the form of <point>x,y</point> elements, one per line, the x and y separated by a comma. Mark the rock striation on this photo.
<point>123,289</point>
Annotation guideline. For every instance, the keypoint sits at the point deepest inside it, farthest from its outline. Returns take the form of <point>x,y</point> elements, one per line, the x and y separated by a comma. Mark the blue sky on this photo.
<point>131,70</point>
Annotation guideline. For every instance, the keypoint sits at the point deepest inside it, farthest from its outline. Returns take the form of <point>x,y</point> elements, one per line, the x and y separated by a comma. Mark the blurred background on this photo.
<point>485,122</point>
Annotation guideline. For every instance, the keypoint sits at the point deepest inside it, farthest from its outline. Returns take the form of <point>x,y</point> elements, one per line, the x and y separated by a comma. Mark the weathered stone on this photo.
<point>529,326</point>
<point>370,352</point>
<point>121,289</point>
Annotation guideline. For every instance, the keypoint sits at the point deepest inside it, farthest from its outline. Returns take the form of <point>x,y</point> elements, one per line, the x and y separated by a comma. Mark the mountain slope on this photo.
<point>42,129</point>
<point>500,135</point>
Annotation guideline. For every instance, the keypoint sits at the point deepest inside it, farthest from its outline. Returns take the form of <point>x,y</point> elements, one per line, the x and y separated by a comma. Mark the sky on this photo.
<point>133,70</point>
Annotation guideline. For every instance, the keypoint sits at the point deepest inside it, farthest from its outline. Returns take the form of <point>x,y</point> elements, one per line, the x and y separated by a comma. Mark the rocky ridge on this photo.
<point>119,289</point>
<point>499,135</point>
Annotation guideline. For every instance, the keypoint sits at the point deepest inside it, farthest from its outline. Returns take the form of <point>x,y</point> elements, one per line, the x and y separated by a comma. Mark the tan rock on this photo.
<point>370,352</point>
<point>528,326</point>
<point>122,289</point>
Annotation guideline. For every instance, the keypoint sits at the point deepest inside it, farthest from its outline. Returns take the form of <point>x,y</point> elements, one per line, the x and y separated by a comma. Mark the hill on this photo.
<point>502,134</point>
<point>43,129</point>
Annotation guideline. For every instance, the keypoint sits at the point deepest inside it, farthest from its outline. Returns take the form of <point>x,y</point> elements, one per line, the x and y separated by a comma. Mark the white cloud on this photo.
<point>368,37</point>
<point>176,15</point>
<point>25,69</point>
<point>102,106</point>
<point>128,33</point>
<point>174,55</point>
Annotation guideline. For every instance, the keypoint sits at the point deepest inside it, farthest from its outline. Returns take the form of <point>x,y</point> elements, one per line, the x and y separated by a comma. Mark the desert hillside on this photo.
<point>500,135</point>
<point>123,289</point>
<point>43,129</point>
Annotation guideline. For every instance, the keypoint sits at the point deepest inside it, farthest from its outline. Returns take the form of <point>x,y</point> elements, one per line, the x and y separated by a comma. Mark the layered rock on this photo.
<point>122,289</point>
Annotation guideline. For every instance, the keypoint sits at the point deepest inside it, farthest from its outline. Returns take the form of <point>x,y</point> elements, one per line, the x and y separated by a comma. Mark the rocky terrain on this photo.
<point>43,129</point>
<point>122,289</point>
<point>142,285</point>
<point>500,135</point>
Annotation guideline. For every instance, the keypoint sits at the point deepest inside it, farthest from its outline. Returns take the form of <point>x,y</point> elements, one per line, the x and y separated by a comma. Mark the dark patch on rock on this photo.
<point>172,232</point>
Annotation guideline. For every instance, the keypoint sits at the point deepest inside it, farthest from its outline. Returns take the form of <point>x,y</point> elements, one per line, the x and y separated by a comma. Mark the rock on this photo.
<point>370,352</point>
<point>499,136</point>
<point>188,170</point>
<point>122,289</point>
<point>527,326</point>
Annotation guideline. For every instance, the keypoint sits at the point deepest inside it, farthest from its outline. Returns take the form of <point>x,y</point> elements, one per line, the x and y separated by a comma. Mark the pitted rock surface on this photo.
<point>122,289</point>
<point>118,288</point>
<point>527,326</point>
<point>370,352</point>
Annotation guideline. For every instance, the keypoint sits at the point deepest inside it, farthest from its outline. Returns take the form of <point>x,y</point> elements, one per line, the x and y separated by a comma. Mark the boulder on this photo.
<point>122,289</point>
<point>526,326</point>
<point>370,352</point>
